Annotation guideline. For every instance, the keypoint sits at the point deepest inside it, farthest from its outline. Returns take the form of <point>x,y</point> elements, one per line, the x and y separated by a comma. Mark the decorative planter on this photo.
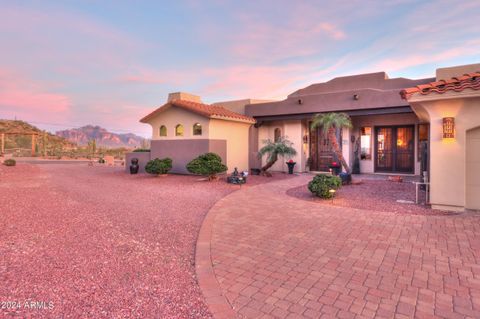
<point>134,166</point>
<point>291,165</point>
<point>336,169</point>
<point>346,178</point>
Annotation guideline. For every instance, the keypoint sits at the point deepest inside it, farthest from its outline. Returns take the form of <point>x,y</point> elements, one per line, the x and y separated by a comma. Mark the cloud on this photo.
<point>25,98</point>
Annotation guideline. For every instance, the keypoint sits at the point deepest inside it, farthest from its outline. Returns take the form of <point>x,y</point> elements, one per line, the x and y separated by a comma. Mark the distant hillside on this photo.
<point>21,144</point>
<point>103,138</point>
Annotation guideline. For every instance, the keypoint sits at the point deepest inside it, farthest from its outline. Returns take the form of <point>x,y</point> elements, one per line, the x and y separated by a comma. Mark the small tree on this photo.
<point>159,166</point>
<point>282,147</point>
<point>208,164</point>
<point>330,122</point>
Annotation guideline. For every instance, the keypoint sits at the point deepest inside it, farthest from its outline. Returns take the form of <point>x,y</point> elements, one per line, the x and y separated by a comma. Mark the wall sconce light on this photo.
<point>448,127</point>
<point>300,101</point>
<point>356,97</point>
<point>305,139</point>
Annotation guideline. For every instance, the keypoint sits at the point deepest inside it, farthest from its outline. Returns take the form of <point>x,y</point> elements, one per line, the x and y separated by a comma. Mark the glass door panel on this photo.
<point>404,149</point>
<point>384,158</point>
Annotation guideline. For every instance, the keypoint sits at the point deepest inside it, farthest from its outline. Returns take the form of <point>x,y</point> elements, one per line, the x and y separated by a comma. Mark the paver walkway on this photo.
<point>279,257</point>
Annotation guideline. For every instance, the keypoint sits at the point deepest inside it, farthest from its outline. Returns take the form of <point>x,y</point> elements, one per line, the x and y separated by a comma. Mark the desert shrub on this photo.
<point>10,162</point>
<point>208,164</point>
<point>159,166</point>
<point>141,150</point>
<point>321,185</point>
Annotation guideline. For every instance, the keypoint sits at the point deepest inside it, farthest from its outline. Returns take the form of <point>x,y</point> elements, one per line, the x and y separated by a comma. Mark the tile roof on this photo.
<point>210,111</point>
<point>456,84</point>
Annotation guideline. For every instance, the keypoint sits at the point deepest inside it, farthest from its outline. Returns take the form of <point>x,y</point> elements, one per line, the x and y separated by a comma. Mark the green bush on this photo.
<point>321,185</point>
<point>141,150</point>
<point>9,162</point>
<point>208,164</point>
<point>159,166</point>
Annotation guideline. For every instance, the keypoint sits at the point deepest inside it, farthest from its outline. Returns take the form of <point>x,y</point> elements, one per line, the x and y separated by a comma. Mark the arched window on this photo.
<point>179,130</point>
<point>197,129</point>
<point>277,135</point>
<point>163,130</point>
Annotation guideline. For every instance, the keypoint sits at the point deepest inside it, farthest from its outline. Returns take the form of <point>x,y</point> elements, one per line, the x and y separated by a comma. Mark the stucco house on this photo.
<point>398,128</point>
<point>184,128</point>
<point>451,106</point>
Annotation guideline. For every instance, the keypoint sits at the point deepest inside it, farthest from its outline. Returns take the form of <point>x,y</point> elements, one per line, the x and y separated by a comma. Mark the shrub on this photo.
<point>101,160</point>
<point>159,166</point>
<point>9,162</point>
<point>321,185</point>
<point>208,164</point>
<point>141,150</point>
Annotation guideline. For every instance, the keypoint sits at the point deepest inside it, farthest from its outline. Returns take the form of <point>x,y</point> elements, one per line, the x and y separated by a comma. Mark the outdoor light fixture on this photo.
<point>300,101</point>
<point>305,139</point>
<point>332,193</point>
<point>356,97</point>
<point>448,127</point>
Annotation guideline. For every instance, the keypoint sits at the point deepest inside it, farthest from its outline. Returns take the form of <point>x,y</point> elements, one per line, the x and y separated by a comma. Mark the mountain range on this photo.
<point>104,138</point>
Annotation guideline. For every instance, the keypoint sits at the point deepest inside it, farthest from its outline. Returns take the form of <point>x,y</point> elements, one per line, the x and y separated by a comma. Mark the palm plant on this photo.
<point>330,122</point>
<point>282,147</point>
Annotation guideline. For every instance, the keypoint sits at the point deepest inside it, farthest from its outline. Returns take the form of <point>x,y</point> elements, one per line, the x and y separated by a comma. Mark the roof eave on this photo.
<point>232,119</point>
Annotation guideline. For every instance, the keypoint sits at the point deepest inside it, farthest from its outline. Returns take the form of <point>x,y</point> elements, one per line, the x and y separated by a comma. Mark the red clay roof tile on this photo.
<point>210,111</point>
<point>456,84</point>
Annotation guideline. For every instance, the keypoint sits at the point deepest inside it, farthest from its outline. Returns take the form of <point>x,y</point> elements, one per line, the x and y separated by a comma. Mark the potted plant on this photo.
<point>335,167</point>
<point>291,165</point>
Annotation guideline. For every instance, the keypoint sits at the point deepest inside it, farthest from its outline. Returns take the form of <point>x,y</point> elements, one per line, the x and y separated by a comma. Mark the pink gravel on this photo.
<point>95,242</point>
<point>375,195</point>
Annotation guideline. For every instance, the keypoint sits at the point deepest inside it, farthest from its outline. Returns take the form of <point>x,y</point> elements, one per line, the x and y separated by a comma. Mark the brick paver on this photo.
<point>279,257</point>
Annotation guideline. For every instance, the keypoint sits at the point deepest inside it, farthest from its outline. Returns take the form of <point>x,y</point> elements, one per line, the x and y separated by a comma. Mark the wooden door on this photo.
<point>321,154</point>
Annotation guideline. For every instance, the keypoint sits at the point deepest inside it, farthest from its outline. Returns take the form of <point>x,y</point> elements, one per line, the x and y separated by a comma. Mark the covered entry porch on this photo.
<point>388,143</point>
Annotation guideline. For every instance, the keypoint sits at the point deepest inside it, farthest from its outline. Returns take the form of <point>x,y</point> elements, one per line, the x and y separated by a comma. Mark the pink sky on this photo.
<point>66,65</point>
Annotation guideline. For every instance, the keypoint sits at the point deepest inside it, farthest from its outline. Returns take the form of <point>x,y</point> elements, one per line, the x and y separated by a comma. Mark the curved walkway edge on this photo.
<point>217,302</point>
<point>263,254</point>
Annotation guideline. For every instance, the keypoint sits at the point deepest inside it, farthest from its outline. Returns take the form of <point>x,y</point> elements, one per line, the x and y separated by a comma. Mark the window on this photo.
<point>277,135</point>
<point>163,130</point>
<point>197,129</point>
<point>179,130</point>
<point>366,143</point>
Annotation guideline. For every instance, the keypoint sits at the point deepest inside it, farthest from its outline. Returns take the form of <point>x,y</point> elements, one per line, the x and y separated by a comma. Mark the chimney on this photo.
<point>184,96</point>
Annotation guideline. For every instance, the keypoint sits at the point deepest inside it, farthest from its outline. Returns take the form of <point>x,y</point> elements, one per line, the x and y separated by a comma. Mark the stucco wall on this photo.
<point>472,196</point>
<point>143,158</point>
<point>183,151</point>
<point>294,131</point>
<point>174,116</point>
<point>368,166</point>
<point>253,143</point>
<point>448,156</point>
<point>236,136</point>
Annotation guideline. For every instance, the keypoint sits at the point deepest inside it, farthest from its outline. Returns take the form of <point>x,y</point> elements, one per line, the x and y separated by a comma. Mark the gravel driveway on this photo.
<point>92,242</point>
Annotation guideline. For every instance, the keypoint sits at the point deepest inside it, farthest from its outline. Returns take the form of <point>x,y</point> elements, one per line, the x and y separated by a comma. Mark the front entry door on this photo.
<point>394,149</point>
<point>321,153</point>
